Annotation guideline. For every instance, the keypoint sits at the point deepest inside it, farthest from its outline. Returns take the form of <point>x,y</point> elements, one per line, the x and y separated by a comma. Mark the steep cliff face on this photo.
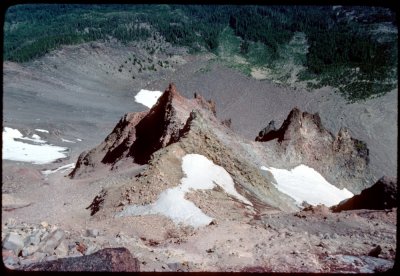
<point>138,135</point>
<point>302,139</point>
<point>115,147</point>
<point>161,125</point>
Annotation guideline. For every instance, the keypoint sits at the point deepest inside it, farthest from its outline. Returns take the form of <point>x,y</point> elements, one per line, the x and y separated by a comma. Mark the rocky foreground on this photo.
<point>313,240</point>
<point>253,226</point>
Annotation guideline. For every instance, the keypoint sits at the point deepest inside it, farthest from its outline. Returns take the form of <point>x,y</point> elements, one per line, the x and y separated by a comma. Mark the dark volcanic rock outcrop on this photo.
<point>267,133</point>
<point>382,195</point>
<point>302,139</point>
<point>108,259</point>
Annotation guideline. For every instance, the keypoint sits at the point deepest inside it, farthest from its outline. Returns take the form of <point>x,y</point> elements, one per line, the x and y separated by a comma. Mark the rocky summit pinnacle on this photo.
<point>138,135</point>
<point>302,139</point>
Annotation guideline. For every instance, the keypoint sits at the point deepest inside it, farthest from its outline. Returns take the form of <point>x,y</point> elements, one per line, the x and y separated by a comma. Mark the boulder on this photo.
<point>11,261</point>
<point>267,133</point>
<point>178,267</point>
<point>52,242</point>
<point>92,233</point>
<point>91,249</point>
<point>375,251</point>
<point>29,250</point>
<point>381,195</point>
<point>109,259</point>
<point>62,249</point>
<point>33,239</point>
<point>13,242</point>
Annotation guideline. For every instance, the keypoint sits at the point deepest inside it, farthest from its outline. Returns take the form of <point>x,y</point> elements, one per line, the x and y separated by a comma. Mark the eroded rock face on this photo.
<point>210,104</point>
<point>138,135</point>
<point>108,259</point>
<point>160,126</point>
<point>115,146</point>
<point>165,171</point>
<point>302,139</point>
<point>176,126</point>
<point>382,195</point>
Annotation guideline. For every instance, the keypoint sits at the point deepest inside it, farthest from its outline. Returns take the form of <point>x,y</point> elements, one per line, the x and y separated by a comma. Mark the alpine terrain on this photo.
<point>199,138</point>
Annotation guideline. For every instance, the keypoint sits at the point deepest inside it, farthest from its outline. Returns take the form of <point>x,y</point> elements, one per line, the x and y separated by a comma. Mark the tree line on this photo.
<point>335,42</point>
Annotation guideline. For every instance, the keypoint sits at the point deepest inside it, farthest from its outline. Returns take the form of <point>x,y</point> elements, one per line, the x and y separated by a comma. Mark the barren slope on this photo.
<point>70,93</point>
<point>79,90</point>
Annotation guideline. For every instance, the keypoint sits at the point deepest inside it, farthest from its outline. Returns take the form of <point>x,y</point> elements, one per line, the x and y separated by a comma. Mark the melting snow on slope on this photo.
<point>67,141</point>
<point>201,174</point>
<point>35,138</point>
<point>147,97</point>
<point>42,130</point>
<point>61,169</point>
<point>38,153</point>
<point>305,184</point>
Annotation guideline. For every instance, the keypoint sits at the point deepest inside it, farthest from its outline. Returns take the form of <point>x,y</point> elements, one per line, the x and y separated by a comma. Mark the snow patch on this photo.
<point>79,140</point>
<point>305,184</point>
<point>67,141</point>
<point>36,154</point>
<point>18,135</point>
<point>36,137</point>
<point>147,97</point>
<point>61,169</point>
<point>42,130</point>
<point>201,174</point>
<point>15,133</point>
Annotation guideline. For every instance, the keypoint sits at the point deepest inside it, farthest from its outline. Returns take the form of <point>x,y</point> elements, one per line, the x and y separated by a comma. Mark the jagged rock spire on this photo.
<point>138,135</point>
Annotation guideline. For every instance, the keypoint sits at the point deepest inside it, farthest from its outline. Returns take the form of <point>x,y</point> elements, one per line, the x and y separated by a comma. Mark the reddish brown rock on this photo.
<point>210,104</point>
<point>138,135</point>
<point>109,259</point>
<point>115,146</point>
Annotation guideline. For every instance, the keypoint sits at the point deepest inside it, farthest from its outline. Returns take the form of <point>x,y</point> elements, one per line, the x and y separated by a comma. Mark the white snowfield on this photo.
<point>38,153</point>
<point>61,169</point>
<point>37,138</point>
<point>201,174</point>
<point>147,97</point>
<point>305,184</point>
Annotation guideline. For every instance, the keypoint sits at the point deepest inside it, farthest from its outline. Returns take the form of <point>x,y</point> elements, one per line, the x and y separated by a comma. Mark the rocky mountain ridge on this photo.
<point>302,139</point>
<point>142,160</point>
<point>175,126</point>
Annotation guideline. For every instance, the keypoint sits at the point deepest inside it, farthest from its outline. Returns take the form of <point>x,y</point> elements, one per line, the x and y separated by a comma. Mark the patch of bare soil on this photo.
<point>259,74</point>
